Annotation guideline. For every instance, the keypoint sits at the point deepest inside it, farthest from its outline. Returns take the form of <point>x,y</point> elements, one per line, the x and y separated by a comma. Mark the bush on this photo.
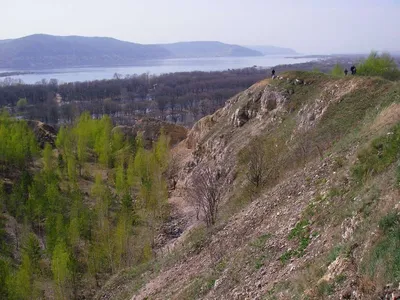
<point>337,70</point>
<point>379,65</point>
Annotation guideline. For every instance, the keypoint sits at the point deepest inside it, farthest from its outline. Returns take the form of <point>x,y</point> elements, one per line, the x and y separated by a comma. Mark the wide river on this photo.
<point>157,67</point>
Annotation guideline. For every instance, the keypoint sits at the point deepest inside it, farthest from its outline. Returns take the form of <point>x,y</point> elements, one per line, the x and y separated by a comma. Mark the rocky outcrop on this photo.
<point>44,133</point>
<point>259,104</point>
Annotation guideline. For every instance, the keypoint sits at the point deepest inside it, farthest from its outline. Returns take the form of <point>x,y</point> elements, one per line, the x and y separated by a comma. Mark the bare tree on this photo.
<point>205,194</point>
<point>263,160</point>
<point>257,167</point>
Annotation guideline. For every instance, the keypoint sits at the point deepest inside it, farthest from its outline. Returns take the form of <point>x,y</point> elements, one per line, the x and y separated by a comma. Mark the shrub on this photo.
<point>337,70</point>
<point>379,65</point>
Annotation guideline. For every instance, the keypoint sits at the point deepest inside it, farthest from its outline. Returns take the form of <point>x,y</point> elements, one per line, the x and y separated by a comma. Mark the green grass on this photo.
<point>325,289</point>
<point>258,245</point>
<point>260,241</point>
<point>301,234</point>
<point>384,259</point>
<point>334,253</point>
<point>382,152</point>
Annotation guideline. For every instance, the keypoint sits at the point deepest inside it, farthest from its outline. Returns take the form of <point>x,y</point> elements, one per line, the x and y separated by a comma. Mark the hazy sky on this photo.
<point>309,26</point>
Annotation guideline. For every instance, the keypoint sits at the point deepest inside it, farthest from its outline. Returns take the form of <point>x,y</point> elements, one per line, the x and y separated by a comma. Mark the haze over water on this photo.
<point>157,67</point>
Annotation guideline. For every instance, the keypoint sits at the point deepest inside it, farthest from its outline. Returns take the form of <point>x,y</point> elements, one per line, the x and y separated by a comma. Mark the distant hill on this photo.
<point>208,49</point>
<point>272,50</point>
<point>47,51</point>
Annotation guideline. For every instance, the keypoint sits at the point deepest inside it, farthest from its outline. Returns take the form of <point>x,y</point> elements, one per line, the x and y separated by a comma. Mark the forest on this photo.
<point>176,97</point>
<point>73,215</point>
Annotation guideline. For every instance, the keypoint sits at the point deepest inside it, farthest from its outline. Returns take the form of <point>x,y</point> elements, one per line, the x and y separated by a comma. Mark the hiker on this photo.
<point>353,70</point>
<point>273,73</point>
<point>345,72</point>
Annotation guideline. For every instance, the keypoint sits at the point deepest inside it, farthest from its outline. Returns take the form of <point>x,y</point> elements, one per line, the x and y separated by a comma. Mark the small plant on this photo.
<point>300,233</point>
<point>390,223</point>
<point>325,289</point>
<point>259,262</point>
<point>260,241</point>
<point>285,257</point>
<point>333,254</point>
<point>339,279</point>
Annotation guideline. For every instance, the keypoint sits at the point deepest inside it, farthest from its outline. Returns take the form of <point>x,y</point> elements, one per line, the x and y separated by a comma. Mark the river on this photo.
<point>156,67</point>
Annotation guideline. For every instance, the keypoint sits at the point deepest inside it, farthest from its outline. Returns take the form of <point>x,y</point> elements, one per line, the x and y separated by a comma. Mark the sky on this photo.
<point>308,26</point>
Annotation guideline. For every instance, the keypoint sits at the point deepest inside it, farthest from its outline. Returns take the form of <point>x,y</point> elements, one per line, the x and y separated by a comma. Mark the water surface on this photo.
<point>157,67</point>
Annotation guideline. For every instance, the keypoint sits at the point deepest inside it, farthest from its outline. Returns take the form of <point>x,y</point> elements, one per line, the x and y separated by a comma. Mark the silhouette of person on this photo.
<point>353,70</point>
<point>273,73</point>
<point>345,72</point>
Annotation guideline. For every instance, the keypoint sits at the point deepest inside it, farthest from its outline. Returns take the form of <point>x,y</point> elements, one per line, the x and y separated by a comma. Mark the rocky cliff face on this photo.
<point>312,231</point>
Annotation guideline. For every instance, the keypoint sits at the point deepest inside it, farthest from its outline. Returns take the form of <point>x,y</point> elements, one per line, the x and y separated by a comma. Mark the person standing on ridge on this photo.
<point>353,70</point>
<point>273,73</point>
<point>345,72</point>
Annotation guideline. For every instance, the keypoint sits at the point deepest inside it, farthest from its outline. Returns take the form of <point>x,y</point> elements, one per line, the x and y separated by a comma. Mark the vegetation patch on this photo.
<point>301,233</point>
<point>258,245</point>
<point>375,158</point>
<point>202,284</point>
<point>383,262</point>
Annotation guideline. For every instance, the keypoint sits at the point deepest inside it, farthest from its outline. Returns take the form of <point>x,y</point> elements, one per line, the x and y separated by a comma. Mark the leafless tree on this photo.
<point>257,166</point>
<point>205,194</point>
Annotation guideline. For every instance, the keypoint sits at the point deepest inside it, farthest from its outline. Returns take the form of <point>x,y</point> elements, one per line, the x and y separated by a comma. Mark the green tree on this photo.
<point>22,103</point>
<point>84,136</point>
<point>33,251</point>
<point>337,70</point>
<point>4,275</point>
<point>49,164</point>
<point>60,266</point>
<point>20,285</point>
<point>121,237</point>
<point>103,141</point>
<point>379,65</point>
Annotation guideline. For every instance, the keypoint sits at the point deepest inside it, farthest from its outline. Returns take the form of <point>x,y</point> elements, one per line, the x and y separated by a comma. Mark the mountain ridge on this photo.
<point>49,51</point>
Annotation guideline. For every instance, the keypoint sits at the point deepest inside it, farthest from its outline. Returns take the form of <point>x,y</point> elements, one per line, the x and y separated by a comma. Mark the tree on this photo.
<point>103,140</point>
<point>4,275</point>
<point>205,194</point>
<point>60,266</point>
<point>48,160</point>
<point>33,251</point>
<point>379,65</point>
<point>257,166</point>
<point>337,70</point>
<point>20,285</point>
<point>22,104</point>
<point>121,237</point>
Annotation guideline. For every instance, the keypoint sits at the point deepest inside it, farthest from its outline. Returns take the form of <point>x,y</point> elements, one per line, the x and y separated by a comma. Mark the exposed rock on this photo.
<point>44,133</point>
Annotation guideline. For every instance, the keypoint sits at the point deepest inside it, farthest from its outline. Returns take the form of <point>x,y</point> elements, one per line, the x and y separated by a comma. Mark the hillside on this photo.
<point>47,51</point>
<point>323,223</point>
<point>207,49</point>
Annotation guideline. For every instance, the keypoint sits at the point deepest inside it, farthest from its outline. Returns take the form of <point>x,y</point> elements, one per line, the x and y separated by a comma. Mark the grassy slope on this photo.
<point>326,226</point>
